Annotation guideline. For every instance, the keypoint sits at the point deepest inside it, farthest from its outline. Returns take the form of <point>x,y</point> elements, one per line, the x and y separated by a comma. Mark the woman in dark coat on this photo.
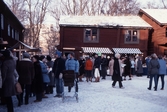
<point>153,70</point>
<point>117,71</point>
<point>38,79</point>
<point>8,79</point>
<point>127,68</point>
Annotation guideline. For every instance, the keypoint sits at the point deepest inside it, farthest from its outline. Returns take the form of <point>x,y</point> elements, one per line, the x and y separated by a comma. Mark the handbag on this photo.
<point>18,88</point>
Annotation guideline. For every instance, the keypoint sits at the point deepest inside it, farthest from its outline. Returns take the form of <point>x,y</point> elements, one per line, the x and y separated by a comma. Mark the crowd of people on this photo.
<point>39,74</point>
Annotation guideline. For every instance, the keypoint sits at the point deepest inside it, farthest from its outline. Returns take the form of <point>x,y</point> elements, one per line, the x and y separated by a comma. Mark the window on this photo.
<point>16,35</point>
<point>91,35</point>
<point>131,36</point>
<point>8,30</point>
<point>12,33</point>
<point>2,22</point>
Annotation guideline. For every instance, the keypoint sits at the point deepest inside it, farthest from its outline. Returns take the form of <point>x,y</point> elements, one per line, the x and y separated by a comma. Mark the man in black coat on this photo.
<point>58,68</point>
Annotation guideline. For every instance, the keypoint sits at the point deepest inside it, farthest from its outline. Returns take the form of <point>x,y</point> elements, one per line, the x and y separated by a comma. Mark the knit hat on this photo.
<point>26,55</point>
<point>36,57</point>
<point>58,53</point>
<point>41,57</point>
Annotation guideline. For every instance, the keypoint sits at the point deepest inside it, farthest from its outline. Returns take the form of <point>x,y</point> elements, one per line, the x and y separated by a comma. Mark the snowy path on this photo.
<point>101,97</point>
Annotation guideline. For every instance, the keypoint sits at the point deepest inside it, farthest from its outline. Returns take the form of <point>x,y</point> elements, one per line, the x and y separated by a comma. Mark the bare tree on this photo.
<point>36,14</point>
<point>164,3</point>
<point>123,7</point>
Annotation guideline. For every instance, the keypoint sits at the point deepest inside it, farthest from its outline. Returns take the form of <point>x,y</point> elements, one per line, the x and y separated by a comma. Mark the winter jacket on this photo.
<point>58,67</point>
<point>44,72</point>
<point>154,66</point>
<point>139,66</point>
<point>38,78</point>
<point>51,77</point>
<point>25,69</point>
<point>162,69</point>
<point>97,62</point>
<point>88,65</point>
<point>72,64</point>
<point>8,77</point>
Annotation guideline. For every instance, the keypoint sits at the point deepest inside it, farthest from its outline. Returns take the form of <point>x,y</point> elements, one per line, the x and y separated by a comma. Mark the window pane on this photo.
<point>2,22</point>
<point>134,38</point>
<point>8,30</point>
<point>88,34</point>
<point>91,35</point>
<point>128,36</point>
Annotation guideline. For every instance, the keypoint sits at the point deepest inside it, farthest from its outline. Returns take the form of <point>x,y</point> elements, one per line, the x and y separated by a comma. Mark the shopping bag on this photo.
<point>96,73</point>
<point>18,88</point>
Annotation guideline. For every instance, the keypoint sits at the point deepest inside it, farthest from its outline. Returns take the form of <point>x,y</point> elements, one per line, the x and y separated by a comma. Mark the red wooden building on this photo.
<point>11,30</point>
<point>157,18</point>
<point>78,33</point>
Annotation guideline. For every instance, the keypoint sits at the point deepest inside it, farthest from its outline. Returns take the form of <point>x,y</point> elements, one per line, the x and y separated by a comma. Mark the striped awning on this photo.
<point>96,50</point>
<point>127,50</point>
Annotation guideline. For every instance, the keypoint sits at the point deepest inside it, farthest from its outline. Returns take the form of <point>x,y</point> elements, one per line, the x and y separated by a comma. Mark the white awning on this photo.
<point>97,50</point>
<point>127,50</point>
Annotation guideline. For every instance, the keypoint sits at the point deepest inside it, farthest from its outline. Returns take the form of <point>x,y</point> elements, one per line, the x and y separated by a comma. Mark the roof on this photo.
<point>104,21</point>
<point>97,50</point>
<point>26,47</point>
<point>127,50</point>
<point>159,15</point>
<point>7,11</point>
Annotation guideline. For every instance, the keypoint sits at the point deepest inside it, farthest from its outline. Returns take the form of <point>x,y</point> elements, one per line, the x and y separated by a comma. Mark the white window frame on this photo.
<point>129,36</point>
<point>91,39</point>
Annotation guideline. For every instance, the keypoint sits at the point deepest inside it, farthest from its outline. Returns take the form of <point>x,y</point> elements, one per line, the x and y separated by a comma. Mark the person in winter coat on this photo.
<point>25,70</point>
<point>117,71</point>
<point>97,63</point>
<point>162,71</point>
<point>139,67</point>
<point>103,65</point>
<point>88,69</point>
<point>51,76</point>
<point>72,64</point>
<point>45,75</point>
<point>81,68</point>
<point>58,68</point>
<point>153,70</point>
<point>127,68</point>
<point>38,79</point>
<point>8,79</point>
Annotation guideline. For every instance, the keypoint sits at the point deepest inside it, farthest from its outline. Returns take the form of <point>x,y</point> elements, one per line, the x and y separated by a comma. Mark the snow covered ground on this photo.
<point>101,97</point>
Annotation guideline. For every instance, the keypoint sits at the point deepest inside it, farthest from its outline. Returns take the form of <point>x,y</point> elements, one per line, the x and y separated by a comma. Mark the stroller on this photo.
<point>70,80</point>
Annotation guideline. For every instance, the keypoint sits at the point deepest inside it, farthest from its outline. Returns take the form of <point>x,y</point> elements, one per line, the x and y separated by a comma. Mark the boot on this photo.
<point>86,79</point>
<point>98,79</point>
<point>90,79</point>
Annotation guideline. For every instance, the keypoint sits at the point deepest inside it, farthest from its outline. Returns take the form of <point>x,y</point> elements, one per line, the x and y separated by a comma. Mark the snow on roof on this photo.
<point>160,15</point>
<point>104,21</point>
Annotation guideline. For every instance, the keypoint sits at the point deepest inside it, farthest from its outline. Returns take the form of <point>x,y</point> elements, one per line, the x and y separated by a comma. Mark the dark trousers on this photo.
<point>155,80</point>
<point>162,80</point>
<point>103,72</point>
<point>120,83</point>
<point>9,104</point>
<point>27,93</point>
<point>76,87</point>
<point>49,89</point>
<point>39,96</point>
